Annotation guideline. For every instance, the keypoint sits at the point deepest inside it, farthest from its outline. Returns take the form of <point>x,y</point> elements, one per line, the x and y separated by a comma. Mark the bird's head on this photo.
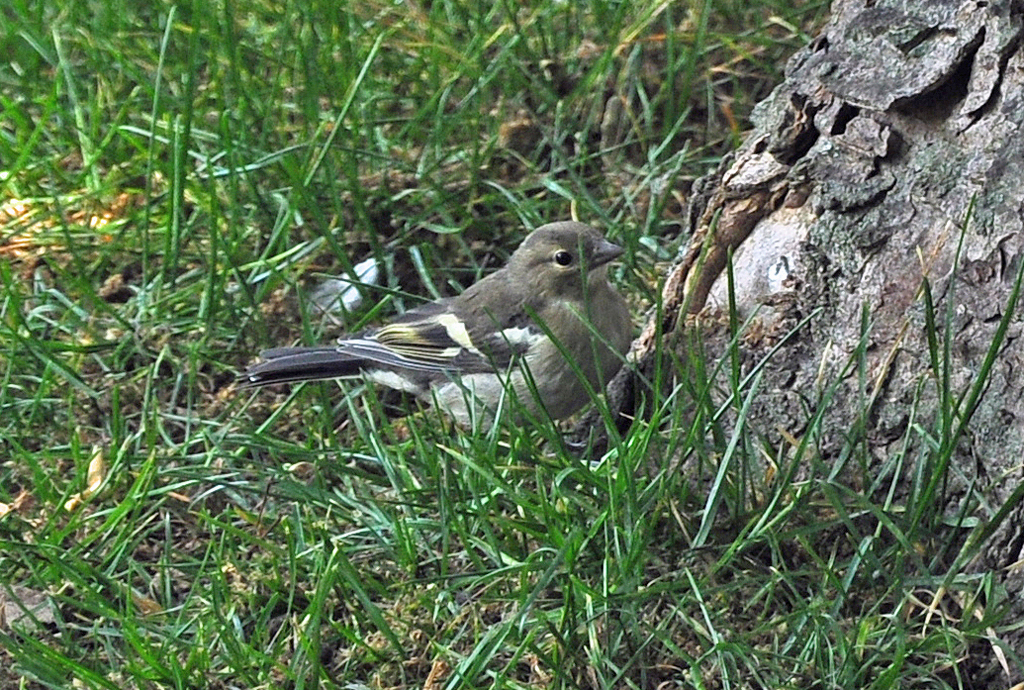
<point>560,258</point>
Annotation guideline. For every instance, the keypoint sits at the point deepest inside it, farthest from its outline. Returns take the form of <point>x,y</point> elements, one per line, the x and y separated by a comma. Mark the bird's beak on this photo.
<point>606,251</point>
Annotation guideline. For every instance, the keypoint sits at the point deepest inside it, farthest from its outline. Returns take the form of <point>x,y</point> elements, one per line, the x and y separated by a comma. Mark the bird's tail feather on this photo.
<point>287,364</point>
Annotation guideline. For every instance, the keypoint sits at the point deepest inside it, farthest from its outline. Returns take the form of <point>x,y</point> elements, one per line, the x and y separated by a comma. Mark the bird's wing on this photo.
<point>441,336</point>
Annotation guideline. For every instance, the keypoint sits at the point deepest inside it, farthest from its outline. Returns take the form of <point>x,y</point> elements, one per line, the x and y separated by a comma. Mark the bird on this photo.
<point>548,326</point>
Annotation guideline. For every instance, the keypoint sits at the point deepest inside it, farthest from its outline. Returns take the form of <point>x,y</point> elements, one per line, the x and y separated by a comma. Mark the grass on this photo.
<point>177,178</point>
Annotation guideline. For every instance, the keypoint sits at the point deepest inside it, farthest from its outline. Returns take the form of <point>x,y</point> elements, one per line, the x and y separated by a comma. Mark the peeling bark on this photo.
<point>892,154</point>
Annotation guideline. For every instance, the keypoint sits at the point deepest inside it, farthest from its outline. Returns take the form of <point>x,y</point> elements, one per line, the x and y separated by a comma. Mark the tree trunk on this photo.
<point>891,158</point>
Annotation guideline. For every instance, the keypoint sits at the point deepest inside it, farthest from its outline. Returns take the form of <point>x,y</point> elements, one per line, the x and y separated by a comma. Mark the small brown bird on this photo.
<point>546,326</point>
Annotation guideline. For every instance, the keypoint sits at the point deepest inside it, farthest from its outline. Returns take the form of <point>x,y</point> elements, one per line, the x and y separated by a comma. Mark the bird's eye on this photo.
<point>563,258</point>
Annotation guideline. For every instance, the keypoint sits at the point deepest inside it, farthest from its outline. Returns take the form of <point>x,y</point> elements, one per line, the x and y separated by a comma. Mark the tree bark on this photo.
<point>892,156</point>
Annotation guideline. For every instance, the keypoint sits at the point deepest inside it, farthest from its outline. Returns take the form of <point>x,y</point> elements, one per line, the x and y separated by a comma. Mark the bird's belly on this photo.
<point>477,399</point>
<point>473,400</point>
